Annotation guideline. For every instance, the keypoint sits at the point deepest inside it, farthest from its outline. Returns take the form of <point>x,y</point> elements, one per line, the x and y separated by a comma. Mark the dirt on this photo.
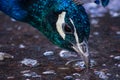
<point>23,41</point>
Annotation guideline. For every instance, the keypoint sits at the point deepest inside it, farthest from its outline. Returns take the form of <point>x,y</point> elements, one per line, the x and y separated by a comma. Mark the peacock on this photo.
<point>64,22</point>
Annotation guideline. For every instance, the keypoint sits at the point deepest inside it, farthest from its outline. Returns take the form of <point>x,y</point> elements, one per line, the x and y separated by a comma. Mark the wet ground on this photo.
<point>24,42</point>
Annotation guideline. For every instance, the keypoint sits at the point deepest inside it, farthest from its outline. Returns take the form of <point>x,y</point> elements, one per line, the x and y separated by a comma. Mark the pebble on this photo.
<point>117,75</point>
<point>30,62</point>
<point>48,53</point>
<point>94,21</point>
<point>108,74</point>
<point>63,68</point>
<point>101,75</point>
<point>103,64</point>
<point>118,65</point>
<point>12,44</point>
<point>10,77</point>
<point>79,65</point>
<point>63,54</point>
<point>21,46</point>
<point>118,32</point>
<point>76,74</point>
<point>19,28</point>
<point>77,79</point>
<point>49,72</point>
<point>36,36</point>
<point>31,74</point>
<point>66,54</point>
<point>68,78</point>
<point>25,71</point>
<point>117,57</point>
<point>114,14</point>
<point>111,56</point>
<point>9,29</point>
<point>92,63</point>
<point>96,33</point>
<point>13,20</point>
<point>5,55</point>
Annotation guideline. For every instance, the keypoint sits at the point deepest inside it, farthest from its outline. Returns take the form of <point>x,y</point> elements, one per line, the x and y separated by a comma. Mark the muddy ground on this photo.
<point>23,41</point>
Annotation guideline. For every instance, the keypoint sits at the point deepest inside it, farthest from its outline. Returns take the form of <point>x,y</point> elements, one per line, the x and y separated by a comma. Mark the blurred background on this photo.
<point>35,58</point>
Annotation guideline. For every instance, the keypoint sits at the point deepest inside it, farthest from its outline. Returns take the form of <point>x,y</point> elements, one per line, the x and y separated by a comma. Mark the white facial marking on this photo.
<point>81,48</point>
<point>75,32</point>
<point>78,44</point>
<point>60,21</point>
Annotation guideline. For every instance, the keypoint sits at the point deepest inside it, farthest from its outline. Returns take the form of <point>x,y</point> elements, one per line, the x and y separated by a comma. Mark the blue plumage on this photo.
<point>105,2</point>
<point>13,9</point>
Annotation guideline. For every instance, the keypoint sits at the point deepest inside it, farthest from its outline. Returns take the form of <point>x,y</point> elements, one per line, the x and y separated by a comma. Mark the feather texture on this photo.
<point>13,9</point>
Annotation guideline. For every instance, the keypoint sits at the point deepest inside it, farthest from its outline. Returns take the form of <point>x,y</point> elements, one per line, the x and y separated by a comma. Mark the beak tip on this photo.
<point>82,50</point>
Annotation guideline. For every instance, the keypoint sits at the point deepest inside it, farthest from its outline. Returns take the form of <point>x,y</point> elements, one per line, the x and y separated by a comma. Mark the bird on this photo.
<point>64,22</point>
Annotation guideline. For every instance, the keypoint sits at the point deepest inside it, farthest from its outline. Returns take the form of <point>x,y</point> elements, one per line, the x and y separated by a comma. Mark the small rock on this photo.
<point>5,55</point>
<point>66,54</point>
<point>117,75</point>
<point>30,62</point>
<point>36,36</point>
<point>12,44</point>
<point>114,14</point>
<point>21,46</point>
<point>103,64</point>
<point>111,56</point>
<point>13,20</point>
<point>49,72</point>
<point>92,63</point>
<point>101,75</point>
<point>119,65</point>
<point>79,65</point>
<point>76,74</point>
<point>31,74</point>
<point>77,79</point>
<point>116,64</point>
<point>10,77</point>
<point>117,57</point>
<point>68,78</point>
<point>63,68</point>
<point>48,53</point>
<point>9,29</point>
<point>96,33</point>
<point>27,75</point>
<point>118,32</point>
<point>94,21</point>
<point>19,28</point>
<point>108,74</point>
<point>25,71</point>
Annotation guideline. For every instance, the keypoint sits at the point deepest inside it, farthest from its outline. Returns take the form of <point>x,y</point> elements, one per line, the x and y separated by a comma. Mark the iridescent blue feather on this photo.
<point>12,8</point>
<point>105,2</point>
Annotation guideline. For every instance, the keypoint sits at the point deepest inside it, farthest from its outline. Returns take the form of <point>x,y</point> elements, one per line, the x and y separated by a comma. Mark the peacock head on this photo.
<point>70,28</point>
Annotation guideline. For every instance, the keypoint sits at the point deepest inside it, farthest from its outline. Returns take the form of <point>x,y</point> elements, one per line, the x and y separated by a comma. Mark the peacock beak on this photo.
<point>82,50</point>
<point>81,47</point>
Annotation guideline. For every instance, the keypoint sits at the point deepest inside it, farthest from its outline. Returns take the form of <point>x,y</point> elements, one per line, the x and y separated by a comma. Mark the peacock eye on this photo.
<point>66,28</point>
